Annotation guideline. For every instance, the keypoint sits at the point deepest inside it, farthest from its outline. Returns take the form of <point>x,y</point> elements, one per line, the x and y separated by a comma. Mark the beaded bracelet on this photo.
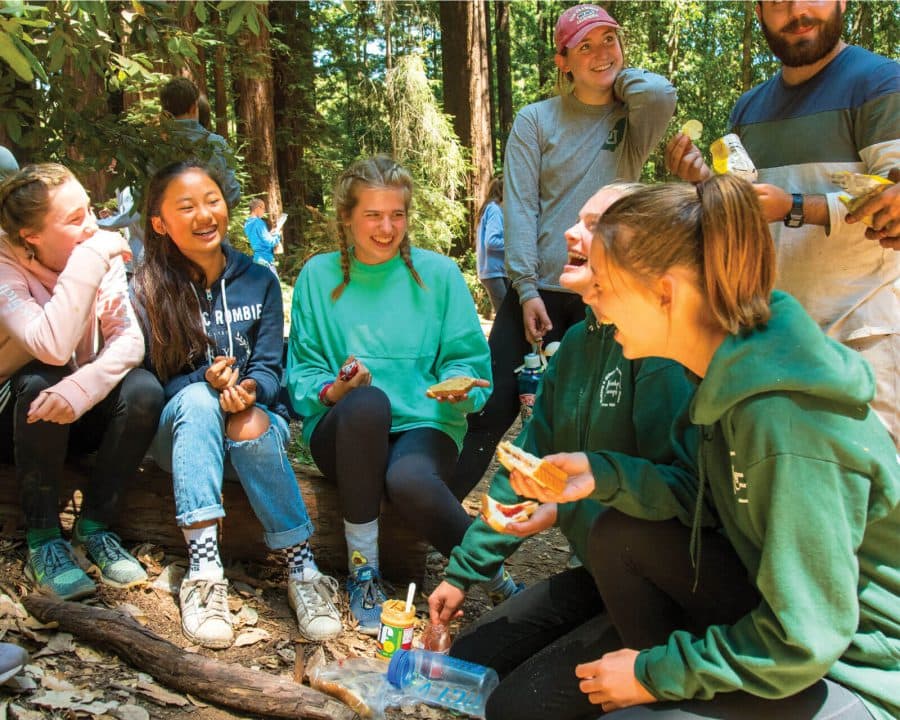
<point>323,395</point>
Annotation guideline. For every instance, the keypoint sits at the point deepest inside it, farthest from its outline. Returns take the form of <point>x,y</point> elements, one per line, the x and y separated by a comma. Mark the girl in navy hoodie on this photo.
<point>214,327</point>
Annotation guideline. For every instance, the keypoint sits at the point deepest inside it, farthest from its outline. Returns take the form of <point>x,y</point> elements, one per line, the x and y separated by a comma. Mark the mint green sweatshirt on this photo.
<point>409,337</point>
<point>806,482</point>
<point>593,397</point>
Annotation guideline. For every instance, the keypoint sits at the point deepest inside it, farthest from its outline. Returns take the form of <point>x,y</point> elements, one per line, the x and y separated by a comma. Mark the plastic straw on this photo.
<point>409,597</point>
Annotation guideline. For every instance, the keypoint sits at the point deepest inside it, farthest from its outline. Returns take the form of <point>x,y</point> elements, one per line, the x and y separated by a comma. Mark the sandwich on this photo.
<point>498,515</point>
<point>545,474</point>
<point>451,386</point>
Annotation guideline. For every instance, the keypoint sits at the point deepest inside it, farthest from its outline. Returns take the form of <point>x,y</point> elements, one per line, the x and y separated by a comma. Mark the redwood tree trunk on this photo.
<point>504,71</point>
<point>467,93</point>
<point>253,81</point>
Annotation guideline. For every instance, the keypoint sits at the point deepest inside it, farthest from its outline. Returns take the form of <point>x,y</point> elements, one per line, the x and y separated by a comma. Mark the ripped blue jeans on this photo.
<point>191,444</point>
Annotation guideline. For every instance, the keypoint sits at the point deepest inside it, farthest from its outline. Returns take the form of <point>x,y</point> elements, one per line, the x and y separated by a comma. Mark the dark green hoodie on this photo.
<point>806,482</point>
<point>592,397</point>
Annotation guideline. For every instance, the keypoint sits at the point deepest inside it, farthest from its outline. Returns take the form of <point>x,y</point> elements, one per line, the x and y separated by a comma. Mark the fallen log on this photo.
<point>148,515</point>
<point>227,684</point>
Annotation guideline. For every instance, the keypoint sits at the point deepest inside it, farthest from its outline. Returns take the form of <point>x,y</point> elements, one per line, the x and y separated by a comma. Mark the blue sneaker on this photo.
<point>506,589</point>
<point>366,596</point>
<point>104,549</point>
<point>53,568</point>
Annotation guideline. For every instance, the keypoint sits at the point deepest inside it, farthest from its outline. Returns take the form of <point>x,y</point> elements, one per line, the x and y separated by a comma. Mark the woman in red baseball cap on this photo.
<point>600,128</point>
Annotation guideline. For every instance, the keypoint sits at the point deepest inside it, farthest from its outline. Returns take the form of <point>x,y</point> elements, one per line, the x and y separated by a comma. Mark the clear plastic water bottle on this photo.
<point>443,680</point>
<point>529,379</point>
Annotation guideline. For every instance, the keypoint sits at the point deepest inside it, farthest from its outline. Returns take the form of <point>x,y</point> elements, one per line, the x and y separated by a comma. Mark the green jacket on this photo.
<point>806,482</point>
<point>591,396</point>
<point>409,337</point>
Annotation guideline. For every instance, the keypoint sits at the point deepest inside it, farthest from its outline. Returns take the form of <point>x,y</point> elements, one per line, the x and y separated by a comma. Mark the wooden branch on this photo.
<point>227,684</point>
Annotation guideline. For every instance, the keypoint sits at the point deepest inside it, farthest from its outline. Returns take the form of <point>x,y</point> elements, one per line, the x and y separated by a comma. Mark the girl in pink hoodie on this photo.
<point>69,349</point>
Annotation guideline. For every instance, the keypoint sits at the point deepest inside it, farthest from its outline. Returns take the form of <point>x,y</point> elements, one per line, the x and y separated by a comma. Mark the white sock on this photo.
<point>362,544</point>
<point>203,553</point>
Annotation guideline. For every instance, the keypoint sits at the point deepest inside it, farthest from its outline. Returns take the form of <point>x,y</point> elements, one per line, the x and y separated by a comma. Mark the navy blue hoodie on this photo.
<point>243,312</point>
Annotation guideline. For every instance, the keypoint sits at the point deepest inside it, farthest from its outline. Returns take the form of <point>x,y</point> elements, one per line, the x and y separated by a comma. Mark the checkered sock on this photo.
<point>203,553</point>
<point>300,562</point>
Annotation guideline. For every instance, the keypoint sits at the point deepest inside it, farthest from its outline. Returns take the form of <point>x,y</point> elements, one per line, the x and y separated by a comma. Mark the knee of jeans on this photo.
<point>607,534</point>
<point>269,440</point>
<point>145,400</point>
<point>248,424</point>
<point>197,399</point>
<point>32,381</point>
<point>365,409</point>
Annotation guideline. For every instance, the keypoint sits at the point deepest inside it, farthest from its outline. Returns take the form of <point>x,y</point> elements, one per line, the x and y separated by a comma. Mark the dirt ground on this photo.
<point>70,678</point>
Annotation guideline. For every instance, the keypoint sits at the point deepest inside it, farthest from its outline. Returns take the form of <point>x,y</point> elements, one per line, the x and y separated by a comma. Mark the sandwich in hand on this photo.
<point>498,515</point>
<point>451,386</point>
<point>545,474</point>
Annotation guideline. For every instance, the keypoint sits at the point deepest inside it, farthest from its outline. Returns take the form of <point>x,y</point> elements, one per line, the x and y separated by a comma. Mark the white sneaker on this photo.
<point>313,601</point>
<point>205,618</point>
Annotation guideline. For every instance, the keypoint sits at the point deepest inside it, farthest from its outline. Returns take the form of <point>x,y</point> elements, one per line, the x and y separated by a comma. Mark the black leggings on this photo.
<point>354,447</point>
<point>120,427</point>
<point>508,347</point>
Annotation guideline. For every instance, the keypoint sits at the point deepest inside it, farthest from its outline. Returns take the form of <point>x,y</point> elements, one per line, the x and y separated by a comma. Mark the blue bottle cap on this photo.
<point>400,664</point>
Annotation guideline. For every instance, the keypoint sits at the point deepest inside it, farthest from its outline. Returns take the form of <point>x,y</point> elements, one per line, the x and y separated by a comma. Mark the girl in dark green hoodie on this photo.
<point>802,475</point>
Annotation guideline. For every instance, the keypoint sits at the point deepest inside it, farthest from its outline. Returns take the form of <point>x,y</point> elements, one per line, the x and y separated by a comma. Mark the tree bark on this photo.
<point>467,94</point>
<point>253,80</point>
<point>227,684</point>
<point>747,56</point>
<point>504,72</point>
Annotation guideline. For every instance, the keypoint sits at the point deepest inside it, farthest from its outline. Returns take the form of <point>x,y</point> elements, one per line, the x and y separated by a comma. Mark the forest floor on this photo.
<point>70,678</point>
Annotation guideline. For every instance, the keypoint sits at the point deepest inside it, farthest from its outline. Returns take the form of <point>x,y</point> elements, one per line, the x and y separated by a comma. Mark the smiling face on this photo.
<point>637,310</point>
<point>594,64</point>
<point>193,213</point>
<point>801,33</point>
<point>69,222</point>
<point>576,274</point>
<point>377,224</point>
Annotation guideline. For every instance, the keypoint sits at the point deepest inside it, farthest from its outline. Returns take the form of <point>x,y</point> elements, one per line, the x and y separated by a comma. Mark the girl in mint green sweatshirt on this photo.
<point>801,473</point>
<point>372,327</point>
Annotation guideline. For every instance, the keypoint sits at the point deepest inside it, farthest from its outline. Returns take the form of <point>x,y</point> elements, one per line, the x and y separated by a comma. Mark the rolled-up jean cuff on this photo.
<point>289,538</point>
<point>192,517</point>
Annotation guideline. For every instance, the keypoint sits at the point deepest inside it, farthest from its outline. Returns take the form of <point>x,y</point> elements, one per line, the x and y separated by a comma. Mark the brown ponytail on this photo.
<point>716,228</point>
<point>25,198</point>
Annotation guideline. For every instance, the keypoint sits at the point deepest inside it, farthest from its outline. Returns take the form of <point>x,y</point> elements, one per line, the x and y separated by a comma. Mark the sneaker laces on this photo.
<point>213,595</point>
<point>372,591</point>
<point>318,592</point>
<point>52,558</point>
<point>105,546</point>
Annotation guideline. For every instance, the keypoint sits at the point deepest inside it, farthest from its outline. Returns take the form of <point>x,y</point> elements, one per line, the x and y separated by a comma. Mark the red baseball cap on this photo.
<point>578,21</point>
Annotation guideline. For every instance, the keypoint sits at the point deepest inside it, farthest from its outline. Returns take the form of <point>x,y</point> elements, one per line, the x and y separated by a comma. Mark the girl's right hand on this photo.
<point>579,485</point>
<point>444,603</point>
<point>221,374</point>
<point>341,387</point>
<point>110,243</point>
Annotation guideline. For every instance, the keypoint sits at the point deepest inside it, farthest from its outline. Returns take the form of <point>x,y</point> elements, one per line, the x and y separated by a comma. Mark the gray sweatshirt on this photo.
<point>560,152</point>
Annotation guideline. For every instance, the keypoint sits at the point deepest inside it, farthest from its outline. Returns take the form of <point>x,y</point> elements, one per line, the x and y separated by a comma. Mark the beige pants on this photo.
<point>883,354</point>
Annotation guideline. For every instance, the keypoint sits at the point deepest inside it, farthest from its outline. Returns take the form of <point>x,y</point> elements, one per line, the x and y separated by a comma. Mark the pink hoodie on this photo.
<point>81,318</point>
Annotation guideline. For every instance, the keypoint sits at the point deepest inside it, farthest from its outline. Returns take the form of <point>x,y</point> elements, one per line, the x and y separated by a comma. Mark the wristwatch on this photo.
<point>794,218</point>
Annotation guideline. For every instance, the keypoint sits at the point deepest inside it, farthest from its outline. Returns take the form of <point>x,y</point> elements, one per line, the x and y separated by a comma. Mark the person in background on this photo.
<point>800,472</point>
<point>591,397</point>
<point>405,316</point>
<point>180,99</point>
<point>489,244</point>
<point>602,127</point>
<point>262,241</point>
<point>832,107</point>
<point>70,345</point>
<point>214,328</point>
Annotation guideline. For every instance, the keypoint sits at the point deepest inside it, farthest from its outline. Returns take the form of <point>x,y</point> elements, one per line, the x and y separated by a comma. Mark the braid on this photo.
<point>345,266</point>
<point>407,260</point>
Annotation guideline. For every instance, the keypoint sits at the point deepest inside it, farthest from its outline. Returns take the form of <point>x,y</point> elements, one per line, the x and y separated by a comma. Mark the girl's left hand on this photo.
<point>51,407</point>
<point>238,397</point>
<point>610,682</point>
<point>459,397</point>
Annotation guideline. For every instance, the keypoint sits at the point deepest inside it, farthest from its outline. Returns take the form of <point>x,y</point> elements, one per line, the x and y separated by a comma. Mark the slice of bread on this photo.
<point>498,515</point>
<point>543,473</point>
<point>451,386</point>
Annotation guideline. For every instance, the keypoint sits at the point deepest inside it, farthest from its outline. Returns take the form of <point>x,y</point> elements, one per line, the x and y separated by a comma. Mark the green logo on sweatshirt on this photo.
<point>615,136</point>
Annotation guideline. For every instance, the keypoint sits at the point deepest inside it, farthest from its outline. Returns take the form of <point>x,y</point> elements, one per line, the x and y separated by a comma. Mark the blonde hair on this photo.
<point>25,198</point>
<point>379,172</point>
<point>716,229</point>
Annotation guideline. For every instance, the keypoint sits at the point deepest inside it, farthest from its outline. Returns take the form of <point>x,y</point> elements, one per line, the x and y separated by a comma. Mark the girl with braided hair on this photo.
<point>372,327</point>
<point>69,383</point>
